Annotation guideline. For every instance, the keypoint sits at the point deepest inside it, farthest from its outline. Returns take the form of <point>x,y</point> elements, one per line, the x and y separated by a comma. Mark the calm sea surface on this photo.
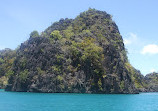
<point>19,101</point>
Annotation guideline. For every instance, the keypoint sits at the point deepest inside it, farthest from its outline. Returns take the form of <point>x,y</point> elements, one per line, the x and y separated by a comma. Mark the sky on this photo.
<point>137,21</point>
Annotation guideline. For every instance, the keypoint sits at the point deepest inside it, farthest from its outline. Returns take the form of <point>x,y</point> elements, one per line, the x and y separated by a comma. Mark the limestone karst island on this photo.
<point>81,55</point>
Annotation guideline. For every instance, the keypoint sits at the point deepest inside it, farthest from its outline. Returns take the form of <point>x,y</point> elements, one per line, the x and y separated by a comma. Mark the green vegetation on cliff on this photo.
<point>7,57</point>
<point>152,82</point>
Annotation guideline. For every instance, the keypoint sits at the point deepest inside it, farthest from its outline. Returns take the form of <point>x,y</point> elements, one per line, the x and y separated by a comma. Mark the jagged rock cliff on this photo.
<point>81,55</point>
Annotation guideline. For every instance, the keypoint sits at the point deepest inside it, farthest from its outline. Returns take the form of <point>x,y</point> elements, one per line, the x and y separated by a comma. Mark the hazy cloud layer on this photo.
<point>131,38</point>
<point>2,47</point>
<point>153,70</point>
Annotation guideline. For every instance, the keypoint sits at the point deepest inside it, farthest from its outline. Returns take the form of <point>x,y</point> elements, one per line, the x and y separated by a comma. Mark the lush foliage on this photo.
<point>7,57</point>
<point>34,34</point>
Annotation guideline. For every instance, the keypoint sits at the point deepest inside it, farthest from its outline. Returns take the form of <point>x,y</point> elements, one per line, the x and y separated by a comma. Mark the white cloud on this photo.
<point>131,38</point>
<point>2,47</point>
<point>150,49</point>
<point>152,70</point>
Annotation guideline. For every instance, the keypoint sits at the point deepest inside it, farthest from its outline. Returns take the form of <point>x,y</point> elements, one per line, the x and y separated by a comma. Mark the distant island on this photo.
<point>81,55</point>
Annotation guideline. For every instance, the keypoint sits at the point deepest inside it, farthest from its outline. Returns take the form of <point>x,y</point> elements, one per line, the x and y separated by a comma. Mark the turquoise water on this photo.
<point>19,101</point>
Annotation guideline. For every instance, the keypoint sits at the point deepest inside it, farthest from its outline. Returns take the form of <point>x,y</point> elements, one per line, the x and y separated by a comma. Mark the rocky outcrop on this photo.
<point>7,57</point>
<point>81,55</point>
<point>152,82</point>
